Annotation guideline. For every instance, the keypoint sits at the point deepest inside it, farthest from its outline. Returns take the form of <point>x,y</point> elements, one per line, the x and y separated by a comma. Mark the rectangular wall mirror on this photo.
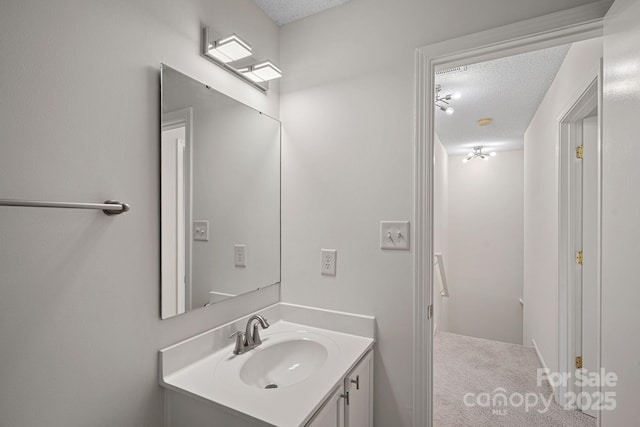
<point>220,196</point>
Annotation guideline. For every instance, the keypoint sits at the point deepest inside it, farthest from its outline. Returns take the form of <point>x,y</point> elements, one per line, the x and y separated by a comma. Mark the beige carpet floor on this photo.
<point>478,372</point>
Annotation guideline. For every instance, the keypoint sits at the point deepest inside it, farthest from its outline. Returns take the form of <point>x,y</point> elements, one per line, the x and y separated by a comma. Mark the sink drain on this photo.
<point>271,386</point>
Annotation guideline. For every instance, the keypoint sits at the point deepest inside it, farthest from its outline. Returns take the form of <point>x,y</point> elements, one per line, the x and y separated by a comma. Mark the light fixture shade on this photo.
<point>449,110</point>
<point>229,49</point>
<point>266,71</point>
<point>262,72</point>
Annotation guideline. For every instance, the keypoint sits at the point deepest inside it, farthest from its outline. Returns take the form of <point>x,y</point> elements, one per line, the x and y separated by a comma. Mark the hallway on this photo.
<point>471,375</point>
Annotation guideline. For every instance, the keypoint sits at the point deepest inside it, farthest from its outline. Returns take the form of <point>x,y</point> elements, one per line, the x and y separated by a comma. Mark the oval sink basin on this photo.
<point>283,363</point>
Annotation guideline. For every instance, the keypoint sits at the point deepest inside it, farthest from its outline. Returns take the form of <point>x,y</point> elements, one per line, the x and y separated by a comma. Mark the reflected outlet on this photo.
<point>240,255</point>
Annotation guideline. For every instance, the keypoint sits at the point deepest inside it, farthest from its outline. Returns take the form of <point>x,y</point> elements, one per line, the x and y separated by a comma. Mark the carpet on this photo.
<point>479,383</point>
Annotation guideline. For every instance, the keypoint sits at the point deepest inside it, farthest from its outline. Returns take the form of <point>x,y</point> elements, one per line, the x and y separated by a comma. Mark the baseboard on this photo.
<point>546,369</point>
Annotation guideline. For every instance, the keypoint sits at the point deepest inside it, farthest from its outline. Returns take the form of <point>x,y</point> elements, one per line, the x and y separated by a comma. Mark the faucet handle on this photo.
<point>240,339</point>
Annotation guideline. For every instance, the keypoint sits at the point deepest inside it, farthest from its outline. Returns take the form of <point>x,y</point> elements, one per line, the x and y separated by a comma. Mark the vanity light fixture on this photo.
<point>477,153</point>
<point>262,71</point>
<point>442,101</point>
<point>229,49</point>
<point>235,56</point>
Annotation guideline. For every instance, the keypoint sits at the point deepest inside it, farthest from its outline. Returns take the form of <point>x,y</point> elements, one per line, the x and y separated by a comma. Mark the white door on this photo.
<point>621,211</point>
<point>588,291</point>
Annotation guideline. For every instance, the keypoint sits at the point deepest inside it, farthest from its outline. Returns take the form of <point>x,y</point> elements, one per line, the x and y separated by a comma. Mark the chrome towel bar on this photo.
<point>110,207</point>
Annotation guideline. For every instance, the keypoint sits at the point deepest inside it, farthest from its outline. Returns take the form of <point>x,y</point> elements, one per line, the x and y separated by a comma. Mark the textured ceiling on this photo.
<point>285,11</point>
<point>507,89</point>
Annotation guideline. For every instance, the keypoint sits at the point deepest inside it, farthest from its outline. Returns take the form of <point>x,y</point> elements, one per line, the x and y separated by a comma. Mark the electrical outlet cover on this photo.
<point>240,255</point>
<point>394,235</point>
<point>328,267</point>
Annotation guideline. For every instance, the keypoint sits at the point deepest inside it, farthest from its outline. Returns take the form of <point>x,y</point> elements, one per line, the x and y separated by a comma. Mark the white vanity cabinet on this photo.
<point>332,413</point>
<point>359,385</point>
<point>301,375</point>
<point>350,405</point>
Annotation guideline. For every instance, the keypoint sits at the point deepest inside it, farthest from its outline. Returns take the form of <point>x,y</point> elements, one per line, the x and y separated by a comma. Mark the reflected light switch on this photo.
<point>201,230</point>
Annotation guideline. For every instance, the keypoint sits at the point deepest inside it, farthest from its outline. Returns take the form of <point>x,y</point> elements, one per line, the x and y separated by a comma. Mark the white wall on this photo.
<point>440,231</point>
<point>485,262</point>
<point>620,211</point>
<point>541,201</point>
<point>80,117</point>
<point>348,158</point>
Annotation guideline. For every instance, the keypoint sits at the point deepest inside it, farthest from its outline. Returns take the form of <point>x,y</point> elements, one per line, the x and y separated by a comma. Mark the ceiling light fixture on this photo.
<point>477,153</point>
<point>442,101</point>
<point>229,49</point>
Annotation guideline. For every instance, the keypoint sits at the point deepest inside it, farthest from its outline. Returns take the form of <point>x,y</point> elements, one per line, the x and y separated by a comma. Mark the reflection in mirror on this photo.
<point>220,196</point>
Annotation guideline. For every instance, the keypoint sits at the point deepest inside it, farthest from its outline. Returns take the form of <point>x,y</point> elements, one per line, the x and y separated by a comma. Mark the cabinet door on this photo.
<point>332,413</point>
<point>359,410</point>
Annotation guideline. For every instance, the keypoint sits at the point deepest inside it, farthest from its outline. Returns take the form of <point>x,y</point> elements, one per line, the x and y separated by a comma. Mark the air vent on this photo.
<point>452,70</point>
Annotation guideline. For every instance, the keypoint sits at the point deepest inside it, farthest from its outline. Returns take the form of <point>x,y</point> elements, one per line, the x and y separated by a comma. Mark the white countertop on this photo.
<point>211,378</point>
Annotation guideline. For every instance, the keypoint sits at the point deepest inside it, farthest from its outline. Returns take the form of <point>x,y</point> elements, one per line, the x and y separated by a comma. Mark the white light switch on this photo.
<point>201,230</point>
<point>394,235</point>
<point>328,267</point>
<point>240,255</point>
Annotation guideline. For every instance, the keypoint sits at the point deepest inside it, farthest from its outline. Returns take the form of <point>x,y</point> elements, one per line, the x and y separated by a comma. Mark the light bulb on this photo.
<point>449,110</point>
<point>492,154</point>
<point>485,158</point>
<point>470,154</point>
<point>465,160</point>
<point>456,95</point>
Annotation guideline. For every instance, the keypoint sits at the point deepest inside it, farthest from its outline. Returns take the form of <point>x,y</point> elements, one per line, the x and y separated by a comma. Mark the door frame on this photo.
<point>569,26</point>
<point>585,101</point>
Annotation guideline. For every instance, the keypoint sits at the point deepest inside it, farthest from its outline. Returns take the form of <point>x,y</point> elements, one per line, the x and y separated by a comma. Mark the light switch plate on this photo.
<point>328,267</point>
<point>201,230</point>
<point>240,255</point>
<point>394,235</point>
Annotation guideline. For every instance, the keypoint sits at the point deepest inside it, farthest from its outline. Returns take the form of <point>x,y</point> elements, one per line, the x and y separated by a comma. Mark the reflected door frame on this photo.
<point>183,118</point>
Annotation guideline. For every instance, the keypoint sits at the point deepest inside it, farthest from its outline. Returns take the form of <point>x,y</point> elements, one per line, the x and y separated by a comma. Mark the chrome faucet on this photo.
<point>250,338</point>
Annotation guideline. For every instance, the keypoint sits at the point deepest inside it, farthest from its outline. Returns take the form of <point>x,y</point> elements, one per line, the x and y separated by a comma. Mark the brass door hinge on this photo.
<point>580,152</point>
<point>579,258</point>
<point>579,362</point>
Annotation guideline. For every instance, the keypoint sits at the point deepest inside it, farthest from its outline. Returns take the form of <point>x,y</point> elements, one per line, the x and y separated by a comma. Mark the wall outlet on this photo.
<point>394,235</point>
<point>240,255</point>
<point>328,267</point>
<point>201,230</point>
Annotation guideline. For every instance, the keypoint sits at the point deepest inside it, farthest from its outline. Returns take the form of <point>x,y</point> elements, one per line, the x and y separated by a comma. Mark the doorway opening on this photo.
<point>554,30</point>
<point>500,134</point>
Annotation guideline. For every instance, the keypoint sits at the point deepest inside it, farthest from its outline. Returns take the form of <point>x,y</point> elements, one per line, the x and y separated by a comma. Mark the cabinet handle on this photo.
<point>345,396</point>
<point>356,382</point>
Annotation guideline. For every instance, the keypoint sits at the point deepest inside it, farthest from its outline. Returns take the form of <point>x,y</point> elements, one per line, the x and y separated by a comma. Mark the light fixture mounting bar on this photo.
<point>206,44</point>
